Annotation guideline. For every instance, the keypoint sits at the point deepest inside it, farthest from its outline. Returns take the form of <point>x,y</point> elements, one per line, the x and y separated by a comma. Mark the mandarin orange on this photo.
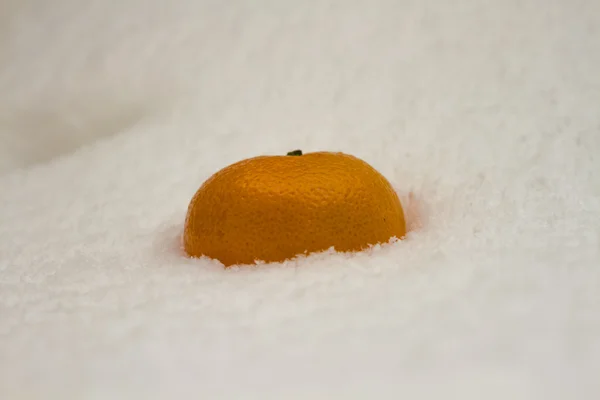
<point>273,208</point>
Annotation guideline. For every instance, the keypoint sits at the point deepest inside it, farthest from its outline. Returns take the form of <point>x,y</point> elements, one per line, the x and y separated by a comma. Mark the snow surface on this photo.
<point>113,114</point>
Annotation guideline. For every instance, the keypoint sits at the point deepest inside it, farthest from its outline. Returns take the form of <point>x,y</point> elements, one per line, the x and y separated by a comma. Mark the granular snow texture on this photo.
<point>112,114</point>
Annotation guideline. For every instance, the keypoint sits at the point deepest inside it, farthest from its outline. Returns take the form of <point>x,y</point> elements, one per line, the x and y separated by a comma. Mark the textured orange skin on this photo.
<point>273,208</point>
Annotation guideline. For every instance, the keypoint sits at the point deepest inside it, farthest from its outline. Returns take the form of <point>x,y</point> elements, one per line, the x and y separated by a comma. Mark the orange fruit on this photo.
<point>273,208</point>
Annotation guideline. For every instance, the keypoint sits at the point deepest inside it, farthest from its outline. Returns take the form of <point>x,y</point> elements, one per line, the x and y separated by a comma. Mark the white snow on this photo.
<point>113,114</point>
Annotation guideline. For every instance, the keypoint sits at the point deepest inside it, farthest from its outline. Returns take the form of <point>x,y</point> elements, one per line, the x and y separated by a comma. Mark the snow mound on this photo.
<point>112,115</point>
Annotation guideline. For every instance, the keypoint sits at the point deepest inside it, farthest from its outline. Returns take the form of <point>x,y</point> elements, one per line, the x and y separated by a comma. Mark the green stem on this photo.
<point>295,153</point>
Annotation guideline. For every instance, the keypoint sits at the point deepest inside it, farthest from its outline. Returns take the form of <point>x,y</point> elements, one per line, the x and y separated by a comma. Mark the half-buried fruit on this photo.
<point>273,208</point>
